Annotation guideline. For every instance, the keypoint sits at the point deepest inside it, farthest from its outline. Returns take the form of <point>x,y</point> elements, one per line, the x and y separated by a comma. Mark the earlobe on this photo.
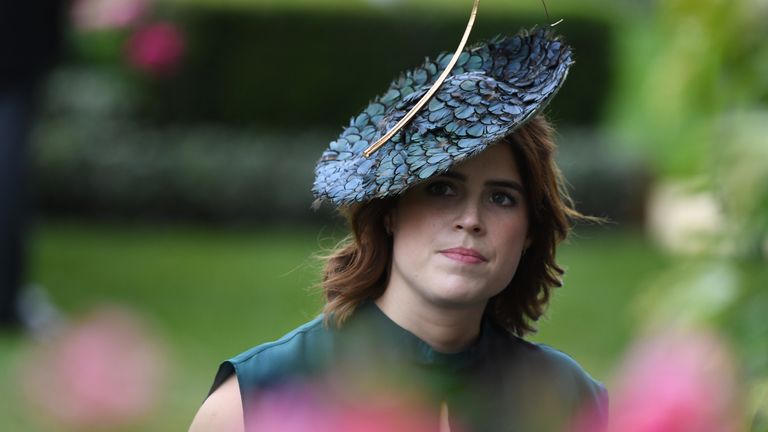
<point>388,223</point>
<point>528,243</point>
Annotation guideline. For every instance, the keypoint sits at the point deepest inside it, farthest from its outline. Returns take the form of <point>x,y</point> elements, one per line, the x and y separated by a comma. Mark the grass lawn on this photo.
<point>210,293</point>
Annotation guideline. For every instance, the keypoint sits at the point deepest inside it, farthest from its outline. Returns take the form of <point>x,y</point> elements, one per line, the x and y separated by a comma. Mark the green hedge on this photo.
<point>235,134</point>
<point>205,173</point>
<point>312,68</point>
<point>94,159</point>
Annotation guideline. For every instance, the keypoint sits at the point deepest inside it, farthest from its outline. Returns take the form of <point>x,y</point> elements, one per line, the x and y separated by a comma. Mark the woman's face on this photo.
<point>458,237</point>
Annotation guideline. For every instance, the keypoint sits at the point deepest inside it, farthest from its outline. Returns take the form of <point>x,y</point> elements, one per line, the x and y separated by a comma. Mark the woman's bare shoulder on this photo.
<point>222,411</point>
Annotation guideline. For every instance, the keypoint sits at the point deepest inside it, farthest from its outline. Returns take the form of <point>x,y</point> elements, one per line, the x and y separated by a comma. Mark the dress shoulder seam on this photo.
<point>306,328</point>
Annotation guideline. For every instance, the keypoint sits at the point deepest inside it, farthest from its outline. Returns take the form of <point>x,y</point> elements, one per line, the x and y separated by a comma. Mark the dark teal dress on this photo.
<point>500,383</point>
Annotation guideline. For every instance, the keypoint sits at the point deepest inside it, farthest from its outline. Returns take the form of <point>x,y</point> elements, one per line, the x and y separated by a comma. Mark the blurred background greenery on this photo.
<point>185,194</point>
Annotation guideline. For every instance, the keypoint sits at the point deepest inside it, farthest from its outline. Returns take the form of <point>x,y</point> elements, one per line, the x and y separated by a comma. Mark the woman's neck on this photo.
<point>445,329</point>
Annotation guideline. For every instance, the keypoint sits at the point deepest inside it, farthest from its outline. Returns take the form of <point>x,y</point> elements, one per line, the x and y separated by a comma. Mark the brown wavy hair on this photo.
<point>358,269</point>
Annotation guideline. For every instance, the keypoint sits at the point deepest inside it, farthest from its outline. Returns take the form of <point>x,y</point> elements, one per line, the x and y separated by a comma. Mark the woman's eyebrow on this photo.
<point>505,183</point>
<point>454,175</point>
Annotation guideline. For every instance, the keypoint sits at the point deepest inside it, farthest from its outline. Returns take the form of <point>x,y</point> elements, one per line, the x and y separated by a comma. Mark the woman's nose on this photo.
<point>470,219</point>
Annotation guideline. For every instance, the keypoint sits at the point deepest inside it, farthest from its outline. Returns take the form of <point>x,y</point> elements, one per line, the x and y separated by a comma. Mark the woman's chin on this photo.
<point>454,297</point>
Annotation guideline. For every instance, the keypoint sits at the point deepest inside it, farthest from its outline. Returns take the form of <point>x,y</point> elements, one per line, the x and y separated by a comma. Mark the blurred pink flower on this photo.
<point>156,48</point>
<point>321,409</point>
<point>383,416</point>
<point>292,409</point>
<point>106,371</point>
<point>677,382</point>
<point>107,14</point>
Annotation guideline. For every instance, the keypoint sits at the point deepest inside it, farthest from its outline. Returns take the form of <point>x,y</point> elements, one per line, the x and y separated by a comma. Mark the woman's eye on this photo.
<point>441,189</point>
<point>503,199</point>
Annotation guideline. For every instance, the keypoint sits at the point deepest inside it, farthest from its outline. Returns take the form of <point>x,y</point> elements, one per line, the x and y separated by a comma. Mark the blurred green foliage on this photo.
<point>683,65</point>
<point>693,95</point>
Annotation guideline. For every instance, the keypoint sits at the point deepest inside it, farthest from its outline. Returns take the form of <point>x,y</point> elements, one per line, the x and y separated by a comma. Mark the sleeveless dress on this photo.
<point>499,383</point>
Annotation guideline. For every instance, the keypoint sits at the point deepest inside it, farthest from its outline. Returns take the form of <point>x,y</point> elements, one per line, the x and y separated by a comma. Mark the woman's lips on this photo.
<point>465,255</point>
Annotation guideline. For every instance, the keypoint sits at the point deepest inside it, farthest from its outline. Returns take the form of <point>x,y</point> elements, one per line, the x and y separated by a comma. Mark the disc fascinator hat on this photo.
<point>440,113</point>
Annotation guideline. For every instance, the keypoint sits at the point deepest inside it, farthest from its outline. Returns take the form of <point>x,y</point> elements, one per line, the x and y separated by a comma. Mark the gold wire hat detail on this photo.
<point>416,108</point>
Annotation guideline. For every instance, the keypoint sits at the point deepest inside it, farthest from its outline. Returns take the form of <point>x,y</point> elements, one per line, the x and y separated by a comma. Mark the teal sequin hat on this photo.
<point>493,89</point>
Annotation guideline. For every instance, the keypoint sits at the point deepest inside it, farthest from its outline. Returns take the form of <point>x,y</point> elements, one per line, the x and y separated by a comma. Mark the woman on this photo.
<point>455,219</point>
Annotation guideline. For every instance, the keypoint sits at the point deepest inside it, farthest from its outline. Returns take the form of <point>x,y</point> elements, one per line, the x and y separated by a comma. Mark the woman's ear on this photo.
<point>528,243</point>
<point>390,218</point>
<point>388,222</point>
